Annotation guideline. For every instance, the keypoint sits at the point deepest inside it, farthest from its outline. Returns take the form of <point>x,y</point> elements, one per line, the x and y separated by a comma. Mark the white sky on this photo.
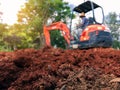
<point>108,5</point>
<point>11,7</point>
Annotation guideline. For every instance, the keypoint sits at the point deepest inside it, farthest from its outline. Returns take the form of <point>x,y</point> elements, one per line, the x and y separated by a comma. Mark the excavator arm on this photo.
<point>56,26</point>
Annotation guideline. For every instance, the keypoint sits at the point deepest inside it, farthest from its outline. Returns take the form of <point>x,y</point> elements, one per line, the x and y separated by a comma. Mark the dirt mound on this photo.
<point>58,69</point>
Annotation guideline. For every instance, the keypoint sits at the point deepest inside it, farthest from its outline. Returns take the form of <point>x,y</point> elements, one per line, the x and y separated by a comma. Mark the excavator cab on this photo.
<point>93,9</point>
<point>96,33</point>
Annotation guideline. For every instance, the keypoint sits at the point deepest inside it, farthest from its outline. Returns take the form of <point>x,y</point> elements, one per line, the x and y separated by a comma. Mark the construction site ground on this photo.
<point>58,69</point>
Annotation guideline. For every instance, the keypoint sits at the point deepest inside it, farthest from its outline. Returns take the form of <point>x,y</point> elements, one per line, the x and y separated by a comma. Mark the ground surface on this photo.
<point>57,69</point>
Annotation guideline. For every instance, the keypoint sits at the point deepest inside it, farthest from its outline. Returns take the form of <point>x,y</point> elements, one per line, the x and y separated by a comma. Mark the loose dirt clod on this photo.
<point>58,69</point>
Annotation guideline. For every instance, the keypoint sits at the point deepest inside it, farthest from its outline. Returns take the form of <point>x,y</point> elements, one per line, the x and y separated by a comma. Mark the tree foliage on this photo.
<point>36,13</point>
<point>28,32</point>
<point>3,32</point>
<point>111,20</point>
<point>57,40</point>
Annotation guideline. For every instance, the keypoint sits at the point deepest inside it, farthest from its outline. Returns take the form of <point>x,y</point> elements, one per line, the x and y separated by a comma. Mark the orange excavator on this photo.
<point>96,34</point>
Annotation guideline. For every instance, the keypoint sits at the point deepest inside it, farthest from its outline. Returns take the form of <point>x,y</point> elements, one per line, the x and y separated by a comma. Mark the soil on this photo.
<point>58,69</point>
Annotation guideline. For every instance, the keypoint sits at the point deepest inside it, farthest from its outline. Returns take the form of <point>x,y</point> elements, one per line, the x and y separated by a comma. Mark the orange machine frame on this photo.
<point>66,32</point>
<point>91,28</point>
<point>58,26</point>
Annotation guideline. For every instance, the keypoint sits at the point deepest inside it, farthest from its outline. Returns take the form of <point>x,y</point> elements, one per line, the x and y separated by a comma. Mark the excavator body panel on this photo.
<point>93,36</point>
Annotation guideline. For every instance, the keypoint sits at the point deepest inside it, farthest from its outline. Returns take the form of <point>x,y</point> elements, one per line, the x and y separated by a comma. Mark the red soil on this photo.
<point>58,69</point>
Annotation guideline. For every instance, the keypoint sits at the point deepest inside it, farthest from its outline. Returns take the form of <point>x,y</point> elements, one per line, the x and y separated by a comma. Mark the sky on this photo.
<point>108,5</point>
<point>11,7</point>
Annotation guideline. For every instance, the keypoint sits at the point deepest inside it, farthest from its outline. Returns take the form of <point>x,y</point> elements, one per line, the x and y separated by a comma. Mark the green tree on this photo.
<point>63,14</point>
<point>4,29</point>
<point>57,39</point>
<point>17,37</point>
<point>12,41</point>
<point>36,13</point>
<point>111,20</point>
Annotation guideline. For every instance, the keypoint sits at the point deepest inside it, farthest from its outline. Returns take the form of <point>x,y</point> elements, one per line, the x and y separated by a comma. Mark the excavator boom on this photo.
<point>56,26</point>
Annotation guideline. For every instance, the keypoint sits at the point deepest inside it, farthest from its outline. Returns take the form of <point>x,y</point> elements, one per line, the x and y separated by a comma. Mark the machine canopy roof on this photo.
<point>85,7</point>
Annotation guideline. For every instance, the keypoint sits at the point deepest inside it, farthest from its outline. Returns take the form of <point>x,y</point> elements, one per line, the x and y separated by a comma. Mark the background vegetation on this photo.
<point>28,32</point>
